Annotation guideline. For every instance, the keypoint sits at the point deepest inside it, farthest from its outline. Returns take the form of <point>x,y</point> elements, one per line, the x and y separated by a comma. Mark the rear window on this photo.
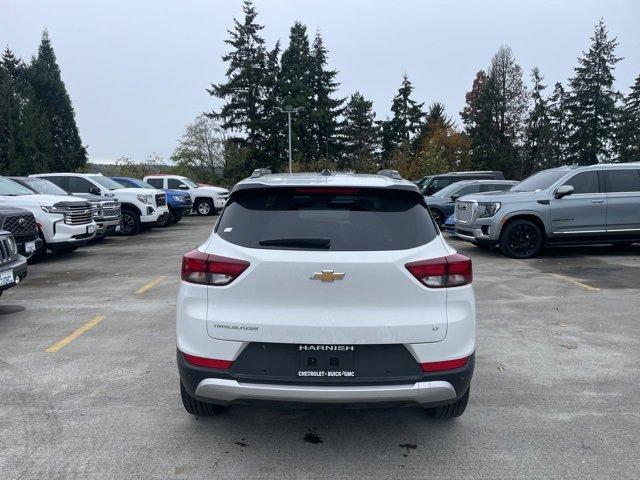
<point>332,219</point>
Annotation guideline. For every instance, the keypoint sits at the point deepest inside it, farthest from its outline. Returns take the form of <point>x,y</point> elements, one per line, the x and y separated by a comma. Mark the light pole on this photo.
<point>289,110</point>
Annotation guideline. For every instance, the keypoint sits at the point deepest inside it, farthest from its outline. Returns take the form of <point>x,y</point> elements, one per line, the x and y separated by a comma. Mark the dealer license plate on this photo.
<point>326,361</point>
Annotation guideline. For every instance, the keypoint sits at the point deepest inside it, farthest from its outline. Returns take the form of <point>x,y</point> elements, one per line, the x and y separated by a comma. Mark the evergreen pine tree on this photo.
<point>509,97</point>
<point>403,127</point>
<point>628,141</point>
<point>44,73</point>
<point>434,119</point>
<point>295,87</point>
<point>244,90</point>
<point>558,112</point>
<point>326,109</point>
<point>25,138</point>
<point>593,101</point>
<point>272,151</point>
<point>480,127</point>
<point>538,139</point>
<point>360,135</point>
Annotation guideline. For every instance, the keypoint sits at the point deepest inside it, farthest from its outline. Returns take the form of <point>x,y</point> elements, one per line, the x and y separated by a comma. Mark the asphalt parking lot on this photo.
<point>555,392</point>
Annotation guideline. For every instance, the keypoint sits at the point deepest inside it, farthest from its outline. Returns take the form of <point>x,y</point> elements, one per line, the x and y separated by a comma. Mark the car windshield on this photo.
<point>189,182</point>
<point>11,188</point>
<point>448,191</point>
<point>336,219</point>
<point>106,182</point>
<point>135,183</point>
<point>45,187</point>
<point>539,181</point>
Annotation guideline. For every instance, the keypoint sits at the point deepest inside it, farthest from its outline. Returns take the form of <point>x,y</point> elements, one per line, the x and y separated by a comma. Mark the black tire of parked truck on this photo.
<point>196,407</point>
<point>177,219</point>
<point>168,220</point>
<point>521,239</point>
<point>204,207</point>
<point>452,410</point>
<point>130,224</point>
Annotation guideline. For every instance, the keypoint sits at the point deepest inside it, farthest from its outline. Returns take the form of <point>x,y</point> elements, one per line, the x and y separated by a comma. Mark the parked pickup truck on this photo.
<point>13,266</point>
<point>141,207</point>
<point>64,223</point>
<point>178,201</point>
<point>22,225</point>
<point>206,200</point>
<point>106,210</point>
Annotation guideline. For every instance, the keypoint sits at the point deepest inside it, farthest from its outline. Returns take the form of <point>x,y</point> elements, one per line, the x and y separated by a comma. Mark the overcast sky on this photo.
<point>137,70</point>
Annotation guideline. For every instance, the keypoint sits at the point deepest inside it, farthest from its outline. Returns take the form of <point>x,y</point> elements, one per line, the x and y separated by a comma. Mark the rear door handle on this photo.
<point>597,201</point>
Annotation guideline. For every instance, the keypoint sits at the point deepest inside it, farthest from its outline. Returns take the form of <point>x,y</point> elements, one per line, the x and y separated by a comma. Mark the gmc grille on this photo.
<point>464,212</point>
<point>20,225</point>
<point>110,209</point>
<point>78,215</point>
<point>161,199</point>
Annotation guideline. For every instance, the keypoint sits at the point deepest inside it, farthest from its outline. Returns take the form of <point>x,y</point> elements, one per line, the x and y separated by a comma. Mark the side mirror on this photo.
<point>94,190</point>
<point>455,196</point>
<point>563,191</point>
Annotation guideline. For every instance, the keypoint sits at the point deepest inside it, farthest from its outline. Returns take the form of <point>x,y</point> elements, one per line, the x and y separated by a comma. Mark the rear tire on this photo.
<point>204,207</point>
<point>177,219</point>
<point>196,407</point>
<point>452,410</point>
<point>130,224</point>
<point>521,239</point>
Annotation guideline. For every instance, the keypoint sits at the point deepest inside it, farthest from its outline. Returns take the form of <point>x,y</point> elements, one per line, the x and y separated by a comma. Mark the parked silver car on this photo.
<point>568,205</point>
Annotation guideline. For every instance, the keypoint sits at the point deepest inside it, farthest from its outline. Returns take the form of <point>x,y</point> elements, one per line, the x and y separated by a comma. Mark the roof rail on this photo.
<point>260,172</point>
<point>387,172</point>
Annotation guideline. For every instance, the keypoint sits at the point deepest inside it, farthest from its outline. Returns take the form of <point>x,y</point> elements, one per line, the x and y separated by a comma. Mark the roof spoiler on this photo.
<point>387,172</point>
<point>260,172</point>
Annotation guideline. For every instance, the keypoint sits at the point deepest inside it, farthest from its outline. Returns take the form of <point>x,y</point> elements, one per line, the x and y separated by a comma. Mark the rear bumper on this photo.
<point>223,387</point>
<point>220,390</point>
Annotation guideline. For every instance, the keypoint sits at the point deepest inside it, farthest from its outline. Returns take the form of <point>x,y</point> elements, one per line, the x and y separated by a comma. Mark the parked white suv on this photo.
<point>207,200</point>
<point>141,207</point>
<point>64,222</point>
<point>317,288</point>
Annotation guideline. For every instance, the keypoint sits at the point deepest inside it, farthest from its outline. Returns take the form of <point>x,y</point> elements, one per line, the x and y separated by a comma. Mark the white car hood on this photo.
<point>216,190</point>
<point>136,191</point>
<point>38,200</point>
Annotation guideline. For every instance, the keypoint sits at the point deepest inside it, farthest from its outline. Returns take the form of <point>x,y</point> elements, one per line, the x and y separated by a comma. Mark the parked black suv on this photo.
<point>13,266</point>
<point>438,182</point>
<point>22,225</point>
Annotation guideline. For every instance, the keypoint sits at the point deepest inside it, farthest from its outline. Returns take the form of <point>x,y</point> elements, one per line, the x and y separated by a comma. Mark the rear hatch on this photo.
<point>327,266</point>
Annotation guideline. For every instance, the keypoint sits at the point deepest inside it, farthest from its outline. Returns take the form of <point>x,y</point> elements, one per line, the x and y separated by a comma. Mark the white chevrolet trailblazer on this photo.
<point>207,200</point>
<point>141,208</point>
<point>326,288</point>
<point>64,222</point>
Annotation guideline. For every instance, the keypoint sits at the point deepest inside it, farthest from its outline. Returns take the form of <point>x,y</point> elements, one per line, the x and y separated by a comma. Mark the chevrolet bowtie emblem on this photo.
<point>327,276</point>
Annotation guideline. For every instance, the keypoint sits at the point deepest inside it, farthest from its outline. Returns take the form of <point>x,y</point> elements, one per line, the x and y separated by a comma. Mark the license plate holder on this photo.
<point>91,229</point>
<point>6,277</point>
<point>327,361</point>
<point>30,247</point>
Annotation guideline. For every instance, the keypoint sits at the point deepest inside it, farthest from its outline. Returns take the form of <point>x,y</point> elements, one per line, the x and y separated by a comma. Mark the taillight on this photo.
<point>452,271</point>
<point>444,365</point>
<point>208,362</point>
<point>208,269</point>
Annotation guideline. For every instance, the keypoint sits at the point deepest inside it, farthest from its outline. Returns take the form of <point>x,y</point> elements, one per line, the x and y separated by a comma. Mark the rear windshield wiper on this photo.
<point>297,242</point>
